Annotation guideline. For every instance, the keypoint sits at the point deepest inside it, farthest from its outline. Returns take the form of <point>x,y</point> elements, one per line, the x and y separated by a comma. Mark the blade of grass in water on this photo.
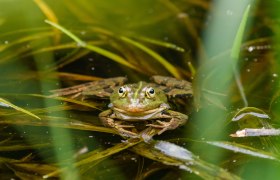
<point>155,55</point>
<point>252,117</point>
<point>7,103</point>
<point>46,10</point>
<point>164,152</point>
<point>77,77</point>
<point>20,147</point>
<point>163,44</point>
<point>97,155</point>
<point>76,8</point>
<point>66,100</point>
<point>42,110</point>
<point>27,170</point>
<point>189,25</point>
<point>96,49</point>
<point>236,51</point>
<point>239,36</point>
<point>50,15</point>
<point>171,154</point>
<point>71,57</point>
<point>25,39</point>
<point>57,122</point>
<point>235,147</point>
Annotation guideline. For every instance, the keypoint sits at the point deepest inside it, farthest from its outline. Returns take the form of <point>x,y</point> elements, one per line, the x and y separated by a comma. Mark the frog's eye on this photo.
<point>150,92</point>
<point>122,92</point>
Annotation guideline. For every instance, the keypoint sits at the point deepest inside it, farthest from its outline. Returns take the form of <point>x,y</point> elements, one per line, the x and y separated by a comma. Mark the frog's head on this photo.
<point>138,98</point>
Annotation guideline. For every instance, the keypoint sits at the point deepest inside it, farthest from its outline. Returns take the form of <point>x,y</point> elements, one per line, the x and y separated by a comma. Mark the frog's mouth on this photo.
<point>137,111</point>
<point>130,115</point>
<point>140,109</point>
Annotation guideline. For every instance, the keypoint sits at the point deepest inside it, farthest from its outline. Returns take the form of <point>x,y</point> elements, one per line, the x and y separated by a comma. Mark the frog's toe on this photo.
<point>127,133</point>
<point>126,126</point>
<point>163,130</point>
<point>119,124</point>
<point>161,124</point>
<point>164,126</point>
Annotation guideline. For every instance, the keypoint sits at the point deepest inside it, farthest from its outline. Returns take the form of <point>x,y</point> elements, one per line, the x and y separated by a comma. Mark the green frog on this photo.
<point>131,104</point>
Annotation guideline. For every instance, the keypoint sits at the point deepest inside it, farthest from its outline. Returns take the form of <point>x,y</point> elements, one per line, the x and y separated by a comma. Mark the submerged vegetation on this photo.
<point>228,50</point>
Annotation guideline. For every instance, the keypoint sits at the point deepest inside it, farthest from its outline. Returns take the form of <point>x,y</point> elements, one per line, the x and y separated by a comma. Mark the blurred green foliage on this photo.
<point>187,39</point>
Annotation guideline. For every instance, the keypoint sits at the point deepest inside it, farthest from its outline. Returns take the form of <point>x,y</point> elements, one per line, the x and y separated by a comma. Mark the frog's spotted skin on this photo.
<point>142,102</point>
<point>100,88</point>
<point>173,87</point>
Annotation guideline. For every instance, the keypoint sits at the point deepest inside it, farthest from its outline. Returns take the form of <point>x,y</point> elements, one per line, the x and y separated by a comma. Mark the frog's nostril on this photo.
<point>134,102</point>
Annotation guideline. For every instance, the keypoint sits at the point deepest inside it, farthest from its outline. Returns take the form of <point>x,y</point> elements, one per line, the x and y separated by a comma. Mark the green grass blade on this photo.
<point>235,147</point>
<point>7,103</point>
<point>174,155</point>
<point>49,13</point>
<point>20,147</point>
<point>25,39</point>
<point>57,122</point>
<point>236,51</point>
<point>68,33</point>
<point>163,44</point>
<point>66,100</point>
<point>96,49</point>
<point>239,36</point>
<point>173,70</point>
<point>97,155</point>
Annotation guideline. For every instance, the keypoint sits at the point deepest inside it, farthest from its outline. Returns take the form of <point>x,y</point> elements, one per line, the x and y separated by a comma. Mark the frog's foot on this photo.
<point>126,133</point>
<point>165,125</point>
<point>148,133</point>
<point>121,128</point>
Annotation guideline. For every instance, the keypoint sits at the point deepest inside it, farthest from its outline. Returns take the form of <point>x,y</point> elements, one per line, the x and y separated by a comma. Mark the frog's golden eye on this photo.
<point>150,92</point>
<point>122,92</point>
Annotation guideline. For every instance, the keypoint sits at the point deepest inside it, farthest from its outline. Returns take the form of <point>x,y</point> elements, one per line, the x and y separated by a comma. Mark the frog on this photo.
<point>143,102</point>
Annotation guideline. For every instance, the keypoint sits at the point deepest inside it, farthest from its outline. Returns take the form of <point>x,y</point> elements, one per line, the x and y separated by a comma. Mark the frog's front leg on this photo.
<point>176,119</point>
<point>107,118</point>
